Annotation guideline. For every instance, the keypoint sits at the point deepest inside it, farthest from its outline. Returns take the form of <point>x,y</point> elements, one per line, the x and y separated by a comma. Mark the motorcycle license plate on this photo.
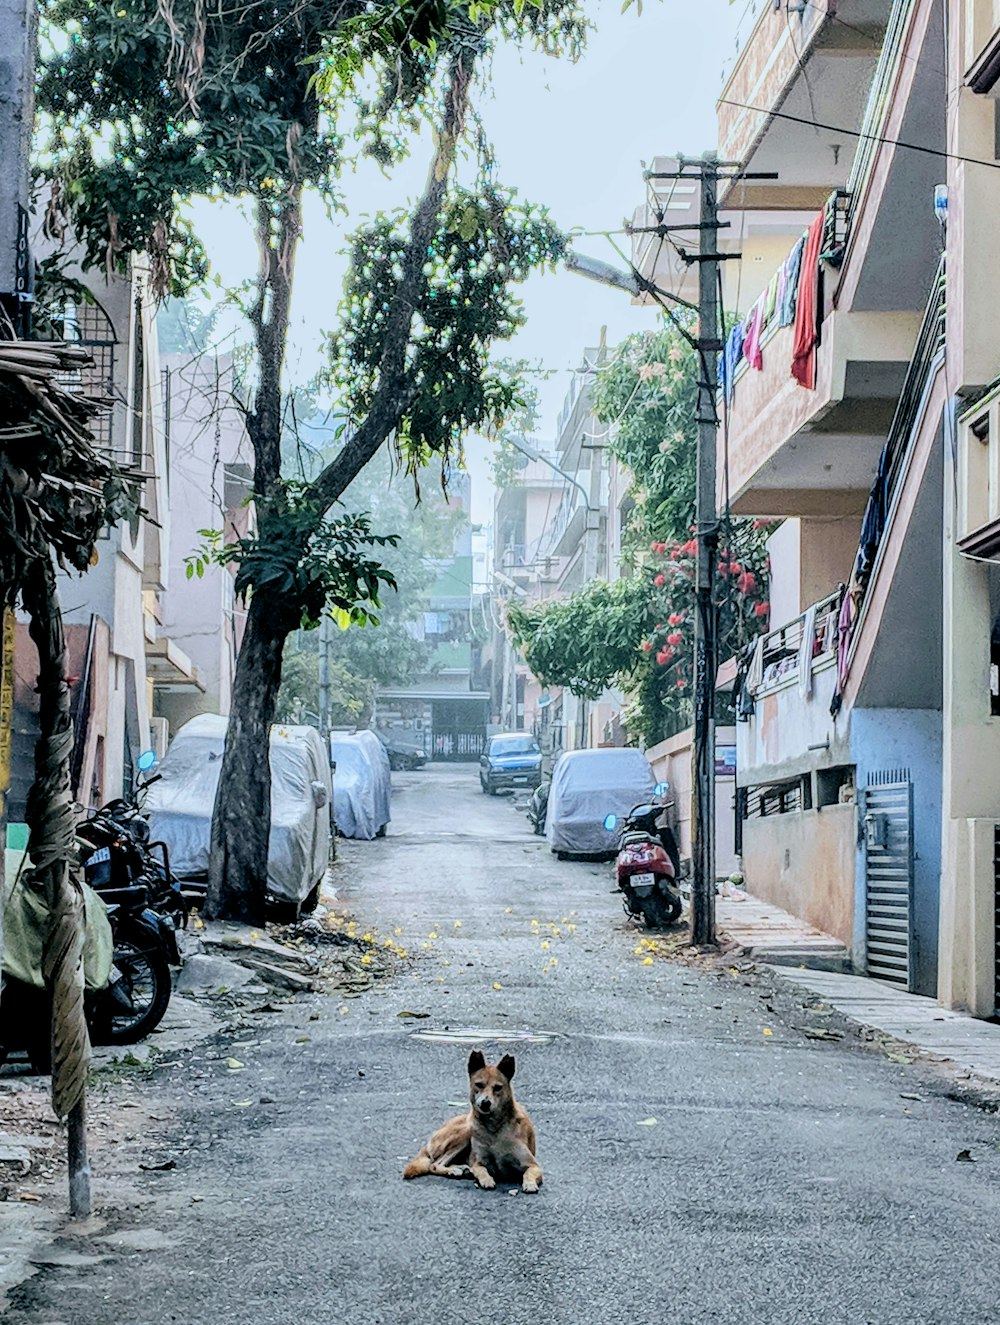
<point>642,880</point>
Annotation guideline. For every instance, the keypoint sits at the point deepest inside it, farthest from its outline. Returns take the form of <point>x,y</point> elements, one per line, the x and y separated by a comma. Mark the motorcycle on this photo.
<point>537,807</point>
<point>648,865</point>
<point>126,1009</point>
<point>144,910</point>
<point>116,852</point>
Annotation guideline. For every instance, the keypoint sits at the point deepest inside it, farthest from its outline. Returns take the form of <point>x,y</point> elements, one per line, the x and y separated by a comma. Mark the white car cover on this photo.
<point>379,758</point>
<point>360,788</point>
<point>180,804</point>
<point>587,786</point>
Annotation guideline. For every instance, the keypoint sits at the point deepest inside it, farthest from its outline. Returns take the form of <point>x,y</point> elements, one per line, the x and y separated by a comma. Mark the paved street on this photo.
<point>783,1179</point>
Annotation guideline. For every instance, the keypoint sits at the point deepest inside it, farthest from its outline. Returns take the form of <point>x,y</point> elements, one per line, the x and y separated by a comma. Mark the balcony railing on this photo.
<point>878,105</point>
<point>902,430</point>
<point>782,649</point>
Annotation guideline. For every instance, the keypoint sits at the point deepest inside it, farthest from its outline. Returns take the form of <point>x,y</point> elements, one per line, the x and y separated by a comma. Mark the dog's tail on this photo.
<point>419,1167</point>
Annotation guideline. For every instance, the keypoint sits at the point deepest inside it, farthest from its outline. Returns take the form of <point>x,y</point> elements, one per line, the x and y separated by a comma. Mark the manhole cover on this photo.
<point>480,1034</point>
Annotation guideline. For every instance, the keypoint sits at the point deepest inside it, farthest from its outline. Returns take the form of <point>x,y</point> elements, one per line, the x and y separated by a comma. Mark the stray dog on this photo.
<point>494,1140</point>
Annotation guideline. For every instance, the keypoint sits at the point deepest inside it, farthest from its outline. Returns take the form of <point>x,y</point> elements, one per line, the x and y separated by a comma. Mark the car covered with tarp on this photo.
<point>587,786</point>
<point>361,784</point>
<point>180,805</point>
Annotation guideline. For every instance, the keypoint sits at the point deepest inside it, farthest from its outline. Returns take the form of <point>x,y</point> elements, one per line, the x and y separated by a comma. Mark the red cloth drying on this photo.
<point>804,351</point>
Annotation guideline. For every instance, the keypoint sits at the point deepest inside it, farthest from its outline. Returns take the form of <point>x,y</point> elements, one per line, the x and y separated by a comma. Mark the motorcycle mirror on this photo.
<point>611,822</point>
<point>146,761</point>
<point>661,788</point>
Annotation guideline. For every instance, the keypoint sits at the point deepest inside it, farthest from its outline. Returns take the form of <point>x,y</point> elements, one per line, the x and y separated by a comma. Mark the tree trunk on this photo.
<point>237,884</point>
<point>52,848</point>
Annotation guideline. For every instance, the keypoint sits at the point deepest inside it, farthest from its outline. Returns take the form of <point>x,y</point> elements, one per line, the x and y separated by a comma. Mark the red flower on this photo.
<point>735,568</point>
<point>690,548</point>
<point>660,579</point>
<point>675,638</point>
<point>647,646</point>
<point>747,582</point>
<point>681,683</point>
<point>662,657</point>
<point>761,609</point>
<point>675,619</point>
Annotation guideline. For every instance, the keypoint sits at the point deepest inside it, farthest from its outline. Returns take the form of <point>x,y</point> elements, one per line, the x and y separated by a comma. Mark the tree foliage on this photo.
<point>162,101</point>
<point>647,394</point>
<point>638,633</point>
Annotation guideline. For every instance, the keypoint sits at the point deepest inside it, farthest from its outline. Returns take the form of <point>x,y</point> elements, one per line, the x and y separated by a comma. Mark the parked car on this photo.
<point>588,787</point>
<point>360,787</point>
<point>405,752</point>
<point>180,807</point>
<point>512,759</point>
<point>379,757</point>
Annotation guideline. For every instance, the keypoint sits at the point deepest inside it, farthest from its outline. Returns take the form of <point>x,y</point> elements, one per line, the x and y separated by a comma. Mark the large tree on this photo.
<point>160,101</point>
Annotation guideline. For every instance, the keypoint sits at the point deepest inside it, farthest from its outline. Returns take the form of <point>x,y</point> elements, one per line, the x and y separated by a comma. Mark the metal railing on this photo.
<point>782,647</point>
<point>902,430</point>
<point>878,104</point>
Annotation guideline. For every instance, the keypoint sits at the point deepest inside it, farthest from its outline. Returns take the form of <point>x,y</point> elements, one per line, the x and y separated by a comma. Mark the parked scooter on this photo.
<point>537,807</point>
<point>648,864</point>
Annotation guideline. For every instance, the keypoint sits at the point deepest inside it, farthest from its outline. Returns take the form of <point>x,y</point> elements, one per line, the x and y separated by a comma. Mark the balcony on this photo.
<point>982,45</point>
<point>792,449</point>
<point>797,66</point>
<point>791,720</point>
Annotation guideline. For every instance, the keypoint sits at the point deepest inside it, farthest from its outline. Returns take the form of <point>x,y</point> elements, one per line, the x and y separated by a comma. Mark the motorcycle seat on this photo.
<point>135,896</point>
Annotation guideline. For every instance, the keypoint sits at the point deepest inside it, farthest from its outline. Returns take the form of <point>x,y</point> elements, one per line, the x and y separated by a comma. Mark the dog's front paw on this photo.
<point>456,1171</point>
<point>486,1181</point>
<point>529,1185</point>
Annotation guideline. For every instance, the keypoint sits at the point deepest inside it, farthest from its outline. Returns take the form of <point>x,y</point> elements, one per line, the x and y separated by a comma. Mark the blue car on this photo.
<point>511,760</point>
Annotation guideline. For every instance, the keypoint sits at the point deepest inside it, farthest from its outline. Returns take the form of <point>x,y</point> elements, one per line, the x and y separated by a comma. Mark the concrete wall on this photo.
<point>906,738</point>
<point>805,862</point>
<point>775,743</point>
<point>672,762</point>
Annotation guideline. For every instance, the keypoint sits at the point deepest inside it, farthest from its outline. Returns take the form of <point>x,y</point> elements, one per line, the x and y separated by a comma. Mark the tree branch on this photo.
<point>394,394</point>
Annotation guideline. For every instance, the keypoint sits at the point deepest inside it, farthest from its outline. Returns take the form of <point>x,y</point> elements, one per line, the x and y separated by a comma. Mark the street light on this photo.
<point>532,454</point>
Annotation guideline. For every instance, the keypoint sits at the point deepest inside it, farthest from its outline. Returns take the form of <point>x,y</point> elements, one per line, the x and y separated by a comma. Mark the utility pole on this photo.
<point>325,647</point>
<point>18,40</point>
<point>706,647</point>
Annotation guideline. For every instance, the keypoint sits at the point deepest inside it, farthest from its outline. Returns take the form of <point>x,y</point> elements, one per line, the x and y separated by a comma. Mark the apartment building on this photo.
<point>109,613</point>
<point>859,395</point>
<point>557,527</point>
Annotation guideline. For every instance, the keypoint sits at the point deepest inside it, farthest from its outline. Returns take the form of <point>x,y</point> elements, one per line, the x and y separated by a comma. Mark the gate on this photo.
<point>887,831</point>
<point>457,745</point>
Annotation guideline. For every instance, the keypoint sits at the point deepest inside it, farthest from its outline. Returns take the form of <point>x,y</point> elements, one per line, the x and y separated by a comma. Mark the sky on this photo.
<point>570,136</point>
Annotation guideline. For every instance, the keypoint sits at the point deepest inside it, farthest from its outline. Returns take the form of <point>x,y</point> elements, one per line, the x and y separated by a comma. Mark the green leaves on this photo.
<point>486,243</point>
<point>307,564</point>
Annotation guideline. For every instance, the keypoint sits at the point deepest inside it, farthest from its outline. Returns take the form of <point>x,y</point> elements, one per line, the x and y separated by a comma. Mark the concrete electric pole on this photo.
<point>18,41</point>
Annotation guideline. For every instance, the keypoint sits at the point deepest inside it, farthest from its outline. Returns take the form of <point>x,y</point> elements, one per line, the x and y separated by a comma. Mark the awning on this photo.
<point>169,667</point>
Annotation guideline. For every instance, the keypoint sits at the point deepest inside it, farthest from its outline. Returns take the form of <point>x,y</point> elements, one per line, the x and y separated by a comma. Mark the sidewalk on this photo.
<point>769,934</point>
<point>804,956</point>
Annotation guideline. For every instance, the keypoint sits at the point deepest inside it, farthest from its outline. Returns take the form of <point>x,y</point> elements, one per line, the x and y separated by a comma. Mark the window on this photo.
<point>832,785</point>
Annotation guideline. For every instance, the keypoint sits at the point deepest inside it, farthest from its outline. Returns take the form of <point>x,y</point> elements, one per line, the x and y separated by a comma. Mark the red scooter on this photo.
<point>648,865</point>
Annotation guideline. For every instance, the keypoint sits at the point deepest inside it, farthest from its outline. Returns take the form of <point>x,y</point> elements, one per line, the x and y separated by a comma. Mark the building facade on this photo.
<point>859,413</point>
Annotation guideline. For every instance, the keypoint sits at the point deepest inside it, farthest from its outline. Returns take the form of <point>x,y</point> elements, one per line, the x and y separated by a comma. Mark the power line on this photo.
<point>860,134</point>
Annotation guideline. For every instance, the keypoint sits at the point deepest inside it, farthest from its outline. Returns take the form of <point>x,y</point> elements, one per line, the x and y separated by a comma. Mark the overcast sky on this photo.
<point>569,136</point>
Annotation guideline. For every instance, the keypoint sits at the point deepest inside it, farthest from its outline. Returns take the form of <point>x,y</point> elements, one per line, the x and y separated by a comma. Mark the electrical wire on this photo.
<point>881,139</point>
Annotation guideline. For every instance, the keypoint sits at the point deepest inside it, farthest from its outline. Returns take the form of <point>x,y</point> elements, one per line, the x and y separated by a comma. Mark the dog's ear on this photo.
<point>476,1061</point>
<point>506,1066</point>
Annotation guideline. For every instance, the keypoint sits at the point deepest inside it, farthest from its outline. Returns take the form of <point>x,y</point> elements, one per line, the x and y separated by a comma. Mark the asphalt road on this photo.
<point>783,1179</point>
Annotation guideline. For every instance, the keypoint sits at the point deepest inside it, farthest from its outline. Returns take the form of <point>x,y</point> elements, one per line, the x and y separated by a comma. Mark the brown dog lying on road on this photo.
<point>494,1140</point>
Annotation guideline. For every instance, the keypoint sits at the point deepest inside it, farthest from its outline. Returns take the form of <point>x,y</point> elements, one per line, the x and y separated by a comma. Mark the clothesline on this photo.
<point>792,298</point>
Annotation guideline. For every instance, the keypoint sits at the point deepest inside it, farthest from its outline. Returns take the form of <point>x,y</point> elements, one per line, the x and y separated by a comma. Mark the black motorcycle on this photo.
<point>129,1006</point>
